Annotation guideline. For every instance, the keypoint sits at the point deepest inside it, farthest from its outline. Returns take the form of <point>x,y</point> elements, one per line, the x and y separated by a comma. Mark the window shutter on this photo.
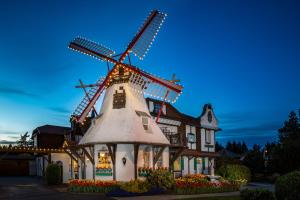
<point>203,163</point>
<point>195,164</point>
<point>182,163</point>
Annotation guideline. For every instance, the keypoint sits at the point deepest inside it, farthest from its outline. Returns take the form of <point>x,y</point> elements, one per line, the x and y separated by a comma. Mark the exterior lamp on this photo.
<point>124,160</point>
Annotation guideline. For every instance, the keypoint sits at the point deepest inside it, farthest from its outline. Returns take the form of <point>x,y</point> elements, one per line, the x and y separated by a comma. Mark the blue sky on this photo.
<point>241,56</point>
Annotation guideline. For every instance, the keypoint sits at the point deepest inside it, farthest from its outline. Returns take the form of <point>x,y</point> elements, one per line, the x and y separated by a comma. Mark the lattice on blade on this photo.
<point>91,48</point>
<point>86,101</point>
<point>142,46</point>
<point>154,89</point>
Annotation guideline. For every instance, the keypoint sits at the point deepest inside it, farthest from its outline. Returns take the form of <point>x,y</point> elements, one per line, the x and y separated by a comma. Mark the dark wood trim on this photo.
<point>77,155</point>
<point>90,157</point>
<point>158,155</point>
<point>112,148</point>
<point>136,154</point>
<point>176,155</point>
<point>71,156</point>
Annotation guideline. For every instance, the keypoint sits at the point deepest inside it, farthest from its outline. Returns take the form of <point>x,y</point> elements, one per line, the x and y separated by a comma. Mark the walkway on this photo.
<point>170,197</point>
<point>28,188</point>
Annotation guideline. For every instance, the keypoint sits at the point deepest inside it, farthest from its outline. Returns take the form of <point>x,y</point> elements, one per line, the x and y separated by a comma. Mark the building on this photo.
<point>197,134</point>
<point>111,150</point>
<point>51,138</point>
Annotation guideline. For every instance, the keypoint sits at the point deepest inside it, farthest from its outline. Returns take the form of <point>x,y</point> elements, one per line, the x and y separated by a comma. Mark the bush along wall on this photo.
<point>287,187</point>
<point>53,174</point>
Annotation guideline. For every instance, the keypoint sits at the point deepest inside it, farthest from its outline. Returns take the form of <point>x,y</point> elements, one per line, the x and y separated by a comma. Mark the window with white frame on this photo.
<point>207,136</point>
<point>191,136</point>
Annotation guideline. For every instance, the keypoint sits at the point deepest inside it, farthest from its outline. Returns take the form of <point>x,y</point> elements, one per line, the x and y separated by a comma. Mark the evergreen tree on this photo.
<point>285,155</point>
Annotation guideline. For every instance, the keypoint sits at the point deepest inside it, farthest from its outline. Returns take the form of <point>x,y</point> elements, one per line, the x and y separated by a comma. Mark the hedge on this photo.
<point>287,187</point>
<point>234,172</point>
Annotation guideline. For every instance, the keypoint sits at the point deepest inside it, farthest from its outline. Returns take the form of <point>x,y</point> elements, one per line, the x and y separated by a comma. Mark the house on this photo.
<point>197,134</point>
<point>49,137</point>
<point>107,149</point>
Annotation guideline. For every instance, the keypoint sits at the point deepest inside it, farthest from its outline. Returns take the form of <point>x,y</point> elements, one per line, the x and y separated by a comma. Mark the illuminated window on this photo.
<point>104,165</point>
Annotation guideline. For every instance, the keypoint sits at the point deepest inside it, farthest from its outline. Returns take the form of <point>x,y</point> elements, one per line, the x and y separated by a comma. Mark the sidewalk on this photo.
<point>170,197</point>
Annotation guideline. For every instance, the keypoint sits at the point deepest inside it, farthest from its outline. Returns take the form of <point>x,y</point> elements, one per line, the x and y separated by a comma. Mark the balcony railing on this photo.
<point>173,137</point>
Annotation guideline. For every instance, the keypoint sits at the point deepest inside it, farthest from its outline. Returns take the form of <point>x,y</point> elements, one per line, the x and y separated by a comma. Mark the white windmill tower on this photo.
<point>123,136</point>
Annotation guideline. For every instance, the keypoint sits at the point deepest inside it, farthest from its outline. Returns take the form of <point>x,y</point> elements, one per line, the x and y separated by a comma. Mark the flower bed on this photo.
<point>92,186</point>
<point>198,184</point>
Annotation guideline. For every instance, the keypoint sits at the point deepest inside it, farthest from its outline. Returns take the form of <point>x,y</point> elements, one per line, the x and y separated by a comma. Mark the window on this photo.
<point>207,136</point>
<point>156,108</point>
<point>191,137</point>
<point>159,162</point>
<point>145,122</point>
<point>147,157</point>
<point>104,165</point>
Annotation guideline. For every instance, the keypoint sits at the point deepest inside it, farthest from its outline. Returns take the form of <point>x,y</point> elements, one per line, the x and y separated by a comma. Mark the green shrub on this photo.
<point>53,174</point>
<point>235,173</point>
<point>136,186</point>
<point>287,187</point>
<point>258,194</point>
<point>161,178</point>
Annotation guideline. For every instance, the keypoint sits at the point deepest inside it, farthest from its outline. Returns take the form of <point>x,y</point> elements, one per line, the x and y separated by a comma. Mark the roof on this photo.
<point>196,153</point>
<point>184,117</point>
<point>124,125</point>
<point>51,129</point>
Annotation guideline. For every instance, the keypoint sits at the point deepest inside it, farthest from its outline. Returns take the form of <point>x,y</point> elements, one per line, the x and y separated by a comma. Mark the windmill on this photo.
<point>140,80</point>
<point>124,126</point>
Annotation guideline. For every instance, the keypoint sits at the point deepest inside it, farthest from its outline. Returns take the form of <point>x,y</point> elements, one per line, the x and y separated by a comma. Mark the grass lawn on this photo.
<point>216,198</point>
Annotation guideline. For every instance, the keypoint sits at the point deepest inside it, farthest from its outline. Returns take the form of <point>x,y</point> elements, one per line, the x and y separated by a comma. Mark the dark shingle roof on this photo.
<point>51,129</point>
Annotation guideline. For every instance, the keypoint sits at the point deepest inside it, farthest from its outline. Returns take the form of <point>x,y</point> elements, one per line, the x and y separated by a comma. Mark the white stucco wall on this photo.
<point>66,161</point>
<point>125,172</point>
<point>204,146</point>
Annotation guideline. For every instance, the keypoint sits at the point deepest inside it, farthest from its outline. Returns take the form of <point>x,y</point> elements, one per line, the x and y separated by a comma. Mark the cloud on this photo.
<point>235,117</point>
<point>5,132</point>
<point>264,127</point>
<point>6,142</point>
<point>59,110</point>
<point>16,91</point>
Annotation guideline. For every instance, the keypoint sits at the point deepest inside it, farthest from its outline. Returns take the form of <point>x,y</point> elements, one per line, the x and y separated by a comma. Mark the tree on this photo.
<point>25,141</point>
<point>285,155</point>
<point>218,147</point>
<point>237,147</point>
<point>255,160</point>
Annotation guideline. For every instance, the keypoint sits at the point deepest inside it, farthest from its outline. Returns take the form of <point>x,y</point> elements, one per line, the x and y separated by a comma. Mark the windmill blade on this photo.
<point>146,35</point>
<point>91,48</point>
<point>153,86</point>
<point>89,100</point>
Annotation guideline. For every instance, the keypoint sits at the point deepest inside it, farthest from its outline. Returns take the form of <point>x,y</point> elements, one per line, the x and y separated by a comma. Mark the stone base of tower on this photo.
<point>123,162</point>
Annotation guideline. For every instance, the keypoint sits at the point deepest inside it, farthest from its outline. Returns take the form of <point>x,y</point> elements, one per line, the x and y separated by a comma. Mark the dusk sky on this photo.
<point>241,56</point>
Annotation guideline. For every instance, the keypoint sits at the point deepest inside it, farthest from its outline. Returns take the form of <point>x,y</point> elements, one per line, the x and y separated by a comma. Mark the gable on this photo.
<point>208,119</point>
